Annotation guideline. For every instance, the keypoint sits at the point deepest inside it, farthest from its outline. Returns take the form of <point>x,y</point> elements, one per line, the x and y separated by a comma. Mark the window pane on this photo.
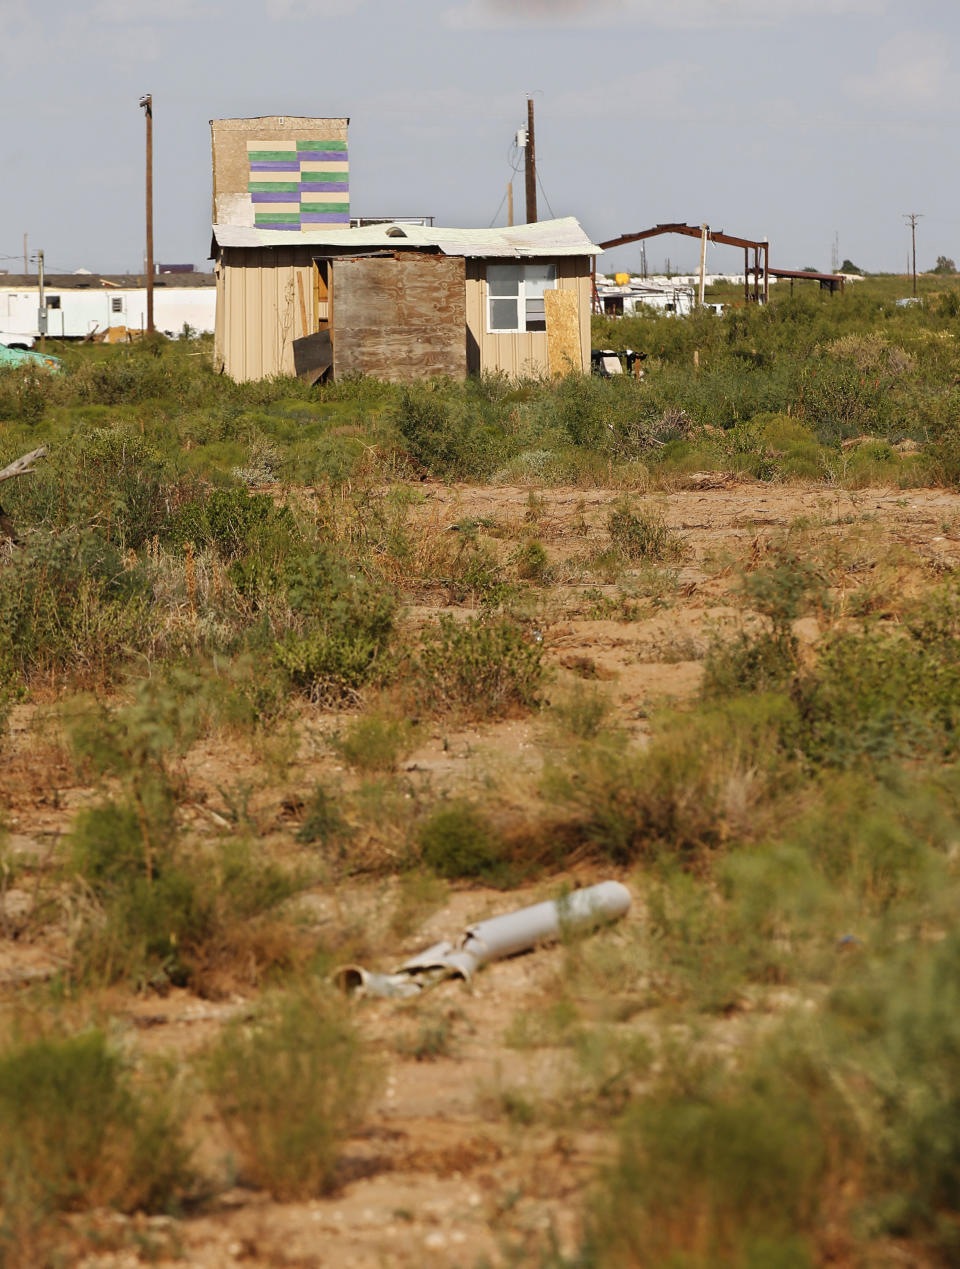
<point>504,279</point>
<point>538,278</point>
<point>503,314</point>
<point>536,314</point>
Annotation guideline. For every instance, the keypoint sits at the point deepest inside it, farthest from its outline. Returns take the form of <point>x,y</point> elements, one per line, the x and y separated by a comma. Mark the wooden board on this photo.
<point>564,354</point>
<point>399,317</point>
<point>312,355</point>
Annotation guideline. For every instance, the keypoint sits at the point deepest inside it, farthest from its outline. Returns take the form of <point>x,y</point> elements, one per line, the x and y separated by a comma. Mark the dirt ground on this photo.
<point>442,1176</point>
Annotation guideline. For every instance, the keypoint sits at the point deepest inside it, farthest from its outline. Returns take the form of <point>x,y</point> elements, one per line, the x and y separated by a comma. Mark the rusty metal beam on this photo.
<point>688,231</point>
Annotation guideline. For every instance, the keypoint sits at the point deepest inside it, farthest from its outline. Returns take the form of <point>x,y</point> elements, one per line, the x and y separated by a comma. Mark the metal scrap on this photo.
<point>492,940</point>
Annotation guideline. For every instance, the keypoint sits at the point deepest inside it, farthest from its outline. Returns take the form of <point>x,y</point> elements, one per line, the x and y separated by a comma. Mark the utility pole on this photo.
<point>41,304</point>
<point>911,218</point>
<point>530,169</point>
<point>509,202</point>
<point>703,259</point>
<point>26,266</point>
<point>146,104</point>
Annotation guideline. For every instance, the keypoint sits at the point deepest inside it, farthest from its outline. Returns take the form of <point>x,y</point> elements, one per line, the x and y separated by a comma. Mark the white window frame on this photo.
<point>530,288</point>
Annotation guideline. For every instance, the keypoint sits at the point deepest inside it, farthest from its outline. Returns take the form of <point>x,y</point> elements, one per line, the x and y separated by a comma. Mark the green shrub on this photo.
<point>77,1131</point>
<point>456,840</point>
<point>641,535</point>
<point>290,1088</point>
<point>700,783</point>
<point>70,603</point>
<point>373,743</point>
<point>156,911</point>
<point>484,669</point>
<point>233,521</point>
<point>885,835</point>
<point>733,1175</point>
<point>452,431</point>
<point>160,913</point>
<point>109,481</point>
<point>323,822</point>
<point>875,696</point>
<point>346,623</point>
<point>584,713</point>
<point>532,561</point>
<point>768,659</point>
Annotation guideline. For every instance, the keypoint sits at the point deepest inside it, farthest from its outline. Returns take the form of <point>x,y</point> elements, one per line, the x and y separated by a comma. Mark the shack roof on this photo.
<point>104,281</point>
<point>563,237</point>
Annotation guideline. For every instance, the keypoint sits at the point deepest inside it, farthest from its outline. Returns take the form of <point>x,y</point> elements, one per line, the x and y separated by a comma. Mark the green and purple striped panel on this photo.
<point>299,184</point>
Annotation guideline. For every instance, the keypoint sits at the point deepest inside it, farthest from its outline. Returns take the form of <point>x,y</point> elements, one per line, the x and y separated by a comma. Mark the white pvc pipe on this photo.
<point>493,940</point>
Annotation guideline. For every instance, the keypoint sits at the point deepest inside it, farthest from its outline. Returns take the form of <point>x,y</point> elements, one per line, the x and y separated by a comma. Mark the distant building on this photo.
<point>111,306</point>
<point>622,299</point>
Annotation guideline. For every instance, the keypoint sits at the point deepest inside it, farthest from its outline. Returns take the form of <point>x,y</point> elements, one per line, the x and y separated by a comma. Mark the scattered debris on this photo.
<point>492,940</point>
<point>19,467</point>
<point>709,480</point>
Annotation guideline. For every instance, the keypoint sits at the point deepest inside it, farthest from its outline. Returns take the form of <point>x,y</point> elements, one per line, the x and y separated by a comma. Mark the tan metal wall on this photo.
<point>522,354</point>
<point>259,314</point>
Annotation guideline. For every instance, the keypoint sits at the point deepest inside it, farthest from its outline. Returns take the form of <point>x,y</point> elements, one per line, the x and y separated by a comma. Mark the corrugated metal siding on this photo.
<point>521,354</point>
<point>258,310</point>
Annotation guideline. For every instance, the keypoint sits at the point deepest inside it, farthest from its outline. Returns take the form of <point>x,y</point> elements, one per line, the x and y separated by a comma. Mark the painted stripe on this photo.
<point>323,156</point>
<point>311,209</point>
<point>261,187</point>
<point>323,187</point>
<point>324,196</point>
<point>321,145</point>
<point>288,228</point>
<point>293,166</point>
<point>272,156</point>
<point>276,218</point>
<point>325,218</point>
<point>318,164</point>
<point>274,196</point>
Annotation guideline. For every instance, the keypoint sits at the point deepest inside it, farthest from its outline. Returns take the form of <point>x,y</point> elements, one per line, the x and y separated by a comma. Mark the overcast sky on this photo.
<point>787,119</point>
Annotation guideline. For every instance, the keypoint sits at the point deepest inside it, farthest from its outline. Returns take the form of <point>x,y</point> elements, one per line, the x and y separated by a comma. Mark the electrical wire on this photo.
<point>553,214</point>
<point>497,212</point>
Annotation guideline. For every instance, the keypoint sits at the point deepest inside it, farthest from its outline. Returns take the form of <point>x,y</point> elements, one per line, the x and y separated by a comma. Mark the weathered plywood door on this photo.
<point>399,317</point>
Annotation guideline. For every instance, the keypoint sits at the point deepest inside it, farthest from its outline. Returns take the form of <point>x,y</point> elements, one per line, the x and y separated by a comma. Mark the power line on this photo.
<point>497,212</point>
<point>553,214</point>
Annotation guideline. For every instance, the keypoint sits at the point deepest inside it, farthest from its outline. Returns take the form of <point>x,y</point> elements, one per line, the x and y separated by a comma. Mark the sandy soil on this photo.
<point>442,1176</point>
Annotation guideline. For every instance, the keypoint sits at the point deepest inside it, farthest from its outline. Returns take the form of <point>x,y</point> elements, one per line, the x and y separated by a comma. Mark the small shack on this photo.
<point>402,301</point>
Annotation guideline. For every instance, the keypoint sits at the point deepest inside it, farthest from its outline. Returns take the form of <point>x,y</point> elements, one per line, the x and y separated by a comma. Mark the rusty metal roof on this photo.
<point>563,237</point>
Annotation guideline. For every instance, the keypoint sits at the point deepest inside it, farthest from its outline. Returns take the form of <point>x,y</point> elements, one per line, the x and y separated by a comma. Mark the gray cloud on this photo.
<point>677,15</point>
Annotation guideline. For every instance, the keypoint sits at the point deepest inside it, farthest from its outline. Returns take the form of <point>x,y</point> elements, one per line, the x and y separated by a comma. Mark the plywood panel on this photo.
<point>399,317</point>
<point>564,353</point>
<point>251,153</point>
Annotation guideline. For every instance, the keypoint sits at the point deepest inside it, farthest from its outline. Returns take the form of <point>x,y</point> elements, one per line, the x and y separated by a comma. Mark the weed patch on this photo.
<point>291,1086</point>
<point>478,669</point>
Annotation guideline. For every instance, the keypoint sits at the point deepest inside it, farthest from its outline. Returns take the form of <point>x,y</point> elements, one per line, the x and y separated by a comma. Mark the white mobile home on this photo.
<point>86,305</point>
